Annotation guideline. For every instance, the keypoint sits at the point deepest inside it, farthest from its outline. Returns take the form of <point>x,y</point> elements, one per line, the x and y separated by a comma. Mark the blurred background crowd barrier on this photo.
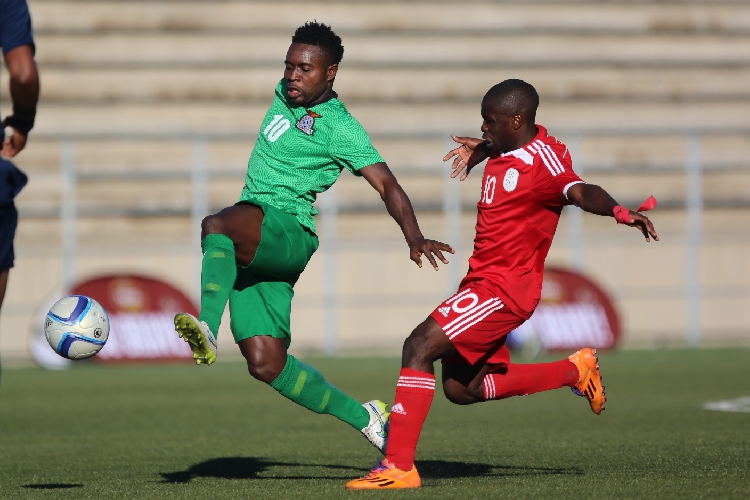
<point>150,109</point>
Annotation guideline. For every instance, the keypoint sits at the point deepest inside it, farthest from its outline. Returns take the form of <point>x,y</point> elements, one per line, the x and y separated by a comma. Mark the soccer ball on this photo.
<point>76,327</point>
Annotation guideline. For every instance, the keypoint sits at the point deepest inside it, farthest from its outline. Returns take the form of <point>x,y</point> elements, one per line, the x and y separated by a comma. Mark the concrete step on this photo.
<point>397,50</point>
<point>386,119</point>
<point>347,17</point>
<point>400,84</point>
<point>161,158</point>
<point>131,178</point>
<point>136,197</point>
<point>644,154</point>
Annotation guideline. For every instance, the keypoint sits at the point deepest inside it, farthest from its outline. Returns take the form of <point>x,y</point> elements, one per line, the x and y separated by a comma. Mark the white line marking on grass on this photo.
<point>735,405</point>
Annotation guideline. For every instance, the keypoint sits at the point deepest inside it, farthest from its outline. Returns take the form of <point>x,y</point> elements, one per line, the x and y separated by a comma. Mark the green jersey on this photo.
<point>300,152</point>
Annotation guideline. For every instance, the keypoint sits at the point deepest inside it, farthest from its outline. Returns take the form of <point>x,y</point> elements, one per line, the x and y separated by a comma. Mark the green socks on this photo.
<point>298,381</point>
<point>306,386</point>
<point>218,275</point>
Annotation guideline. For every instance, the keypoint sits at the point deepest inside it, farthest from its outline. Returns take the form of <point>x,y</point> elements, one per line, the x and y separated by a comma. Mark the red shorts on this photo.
<point>476,321</point>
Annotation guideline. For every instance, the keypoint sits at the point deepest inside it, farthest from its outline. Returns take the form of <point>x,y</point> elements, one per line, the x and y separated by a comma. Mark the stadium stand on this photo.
<point>131,84</point>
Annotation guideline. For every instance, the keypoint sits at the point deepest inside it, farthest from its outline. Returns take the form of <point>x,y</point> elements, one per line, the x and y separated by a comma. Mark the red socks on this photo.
<point>414,394</point>
<point>415,391</point>
<point>521,380</point>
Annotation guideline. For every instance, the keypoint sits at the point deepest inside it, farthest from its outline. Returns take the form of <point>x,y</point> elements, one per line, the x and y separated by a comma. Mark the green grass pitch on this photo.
<point>141,432</point>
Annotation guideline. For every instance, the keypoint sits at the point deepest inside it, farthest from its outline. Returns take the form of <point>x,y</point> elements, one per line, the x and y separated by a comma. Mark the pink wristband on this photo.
<point>649,204</point>
<point>622,214</point>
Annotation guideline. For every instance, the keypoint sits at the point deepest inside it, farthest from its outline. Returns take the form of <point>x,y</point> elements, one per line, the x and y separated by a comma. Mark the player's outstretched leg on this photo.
<point>228,238</point>
<point>218,273</point>
<point>307,387</point>
<point>589,383</point>
<point>269,362</point>
<point>199,337</point>
<point>465,384</point>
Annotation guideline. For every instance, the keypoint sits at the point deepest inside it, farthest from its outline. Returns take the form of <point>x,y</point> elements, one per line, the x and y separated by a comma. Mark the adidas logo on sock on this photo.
<point>397,408</point>
<point>444,311</point>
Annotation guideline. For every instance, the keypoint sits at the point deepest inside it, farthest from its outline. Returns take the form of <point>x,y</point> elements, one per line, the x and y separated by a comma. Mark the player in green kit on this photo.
<point>254,251</point>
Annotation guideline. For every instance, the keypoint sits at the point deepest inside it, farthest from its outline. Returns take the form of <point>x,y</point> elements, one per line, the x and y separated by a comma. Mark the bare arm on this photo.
<point>399,207</point>
<point>595,200</point>
<point>24,92</point>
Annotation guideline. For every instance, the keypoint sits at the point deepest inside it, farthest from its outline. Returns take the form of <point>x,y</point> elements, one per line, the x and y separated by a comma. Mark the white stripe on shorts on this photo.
<point>460,329</point>
<point>468,313</point>
<point>481,312</point>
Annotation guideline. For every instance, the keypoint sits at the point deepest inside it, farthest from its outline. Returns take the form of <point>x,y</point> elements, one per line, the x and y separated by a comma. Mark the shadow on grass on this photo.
<point>441,469</point>
<point>52,486</point>
<point>246,468</point>
<point>252,468</point>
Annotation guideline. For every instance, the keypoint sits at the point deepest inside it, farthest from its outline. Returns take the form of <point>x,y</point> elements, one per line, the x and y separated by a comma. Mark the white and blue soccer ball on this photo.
<point>76,327</point>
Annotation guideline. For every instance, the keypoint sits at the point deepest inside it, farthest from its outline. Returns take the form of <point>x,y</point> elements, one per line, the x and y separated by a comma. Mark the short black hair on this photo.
<point>514,97</point>
<point>315,33</point>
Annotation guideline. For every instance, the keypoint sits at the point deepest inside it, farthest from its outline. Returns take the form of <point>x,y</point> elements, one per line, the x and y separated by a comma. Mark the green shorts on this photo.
<point>261,301</point>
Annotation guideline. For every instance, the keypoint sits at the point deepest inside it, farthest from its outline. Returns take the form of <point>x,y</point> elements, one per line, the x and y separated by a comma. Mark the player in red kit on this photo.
<point>527,181</point>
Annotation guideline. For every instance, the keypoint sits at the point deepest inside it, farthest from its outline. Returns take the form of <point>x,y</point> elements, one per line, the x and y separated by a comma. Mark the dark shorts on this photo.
<point>12,182</point>
<point>8,224</point>
<point>476,321</point>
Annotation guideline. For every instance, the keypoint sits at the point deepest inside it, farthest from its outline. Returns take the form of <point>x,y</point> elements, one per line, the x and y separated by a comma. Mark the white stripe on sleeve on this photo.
<point>569,185</point>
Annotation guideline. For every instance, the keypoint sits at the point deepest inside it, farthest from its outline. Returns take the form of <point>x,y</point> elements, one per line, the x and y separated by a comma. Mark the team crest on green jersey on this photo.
<point>307,122</point>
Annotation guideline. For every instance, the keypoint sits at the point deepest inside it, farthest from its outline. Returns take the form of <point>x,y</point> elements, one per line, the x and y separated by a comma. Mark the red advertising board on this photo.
<point>141,314</point>
<point>574,312</point>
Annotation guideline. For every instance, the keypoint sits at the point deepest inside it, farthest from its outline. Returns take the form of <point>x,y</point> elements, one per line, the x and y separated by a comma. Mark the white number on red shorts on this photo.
<point>461,298</point>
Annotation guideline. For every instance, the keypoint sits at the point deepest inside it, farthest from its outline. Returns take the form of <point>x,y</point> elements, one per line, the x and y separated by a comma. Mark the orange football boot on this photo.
<point>385,476</point>
<point>589,383</point>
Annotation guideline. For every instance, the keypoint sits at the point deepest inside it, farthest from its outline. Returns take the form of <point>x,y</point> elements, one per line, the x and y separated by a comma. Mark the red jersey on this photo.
<point>523,193</point>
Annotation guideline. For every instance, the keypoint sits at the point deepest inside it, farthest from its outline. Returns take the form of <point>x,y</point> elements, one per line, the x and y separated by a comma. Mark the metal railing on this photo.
<point>452,207</point>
